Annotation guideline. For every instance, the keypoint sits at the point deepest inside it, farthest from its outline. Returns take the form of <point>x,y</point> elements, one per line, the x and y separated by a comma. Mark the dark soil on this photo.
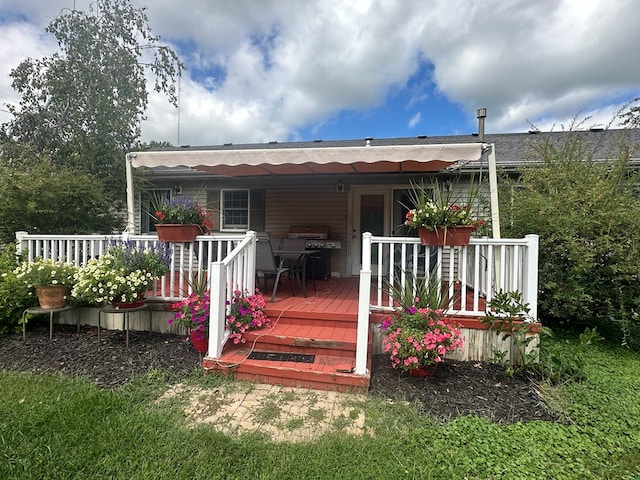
<point>462,388</point>
<point>457,388</point>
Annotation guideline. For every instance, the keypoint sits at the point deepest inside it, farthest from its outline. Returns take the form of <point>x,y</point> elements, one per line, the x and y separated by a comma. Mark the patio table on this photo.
<point>300,270</point>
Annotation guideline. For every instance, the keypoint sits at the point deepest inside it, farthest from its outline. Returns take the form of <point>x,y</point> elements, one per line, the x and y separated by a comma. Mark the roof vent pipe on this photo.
<point>481,113</point>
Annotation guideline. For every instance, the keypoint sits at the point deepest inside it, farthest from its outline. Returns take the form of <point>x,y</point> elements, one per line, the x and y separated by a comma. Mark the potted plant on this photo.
<point>245,312</point>
<point>180,219</point>
<point>122,276</point>
<point>442,220</point>
<point>192,313</point>
<point>417,339</point>
<point>50,279</point>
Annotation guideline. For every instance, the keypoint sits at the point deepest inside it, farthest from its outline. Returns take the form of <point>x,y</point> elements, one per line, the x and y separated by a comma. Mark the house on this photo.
<point>347,199</point>
<point>347,186</point>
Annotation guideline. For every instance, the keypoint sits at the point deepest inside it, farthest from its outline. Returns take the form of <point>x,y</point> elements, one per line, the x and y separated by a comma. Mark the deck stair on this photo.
<point>330,337</point>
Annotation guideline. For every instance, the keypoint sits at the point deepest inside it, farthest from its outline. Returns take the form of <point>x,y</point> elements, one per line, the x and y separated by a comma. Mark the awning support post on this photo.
<point>129,171</point>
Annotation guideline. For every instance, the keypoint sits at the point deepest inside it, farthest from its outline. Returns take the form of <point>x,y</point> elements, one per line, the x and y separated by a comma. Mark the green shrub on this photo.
<point>15,296</point>
<point>586,212</point>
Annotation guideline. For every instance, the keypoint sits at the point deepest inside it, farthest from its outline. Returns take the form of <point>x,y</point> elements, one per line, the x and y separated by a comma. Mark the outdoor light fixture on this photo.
<point>177,189</point>
<point>340,187</point>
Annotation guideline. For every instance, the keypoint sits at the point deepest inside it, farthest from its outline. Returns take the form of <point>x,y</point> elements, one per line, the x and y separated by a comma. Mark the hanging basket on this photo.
<point>177,232</point>
<point>452,236</point>
<point>199,341</point>
<point>52,296</point>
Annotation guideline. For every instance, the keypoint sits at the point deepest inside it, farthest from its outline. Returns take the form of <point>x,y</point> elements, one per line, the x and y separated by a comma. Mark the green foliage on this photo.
<point>69,428</point>
<point>586,212</point>
<point>438,207</point>
<point>15,296</point>
<point>510,317</point>
<point>124,274</point>
<point>420,292</point>
<point>41,198</point>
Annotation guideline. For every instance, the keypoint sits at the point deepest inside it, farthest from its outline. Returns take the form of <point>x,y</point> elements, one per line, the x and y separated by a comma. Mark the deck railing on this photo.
<point>188,260</point>
<point>476,271</point>
<point>235,272</point>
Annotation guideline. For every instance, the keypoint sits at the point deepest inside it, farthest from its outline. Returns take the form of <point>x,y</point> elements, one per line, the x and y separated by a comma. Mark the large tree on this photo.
<point>82,107</point>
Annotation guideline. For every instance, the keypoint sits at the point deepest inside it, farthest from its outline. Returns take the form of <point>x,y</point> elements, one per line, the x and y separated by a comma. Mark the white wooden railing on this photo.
<point>188,260</point>
<point>235,272</point>
<point>474,272</point>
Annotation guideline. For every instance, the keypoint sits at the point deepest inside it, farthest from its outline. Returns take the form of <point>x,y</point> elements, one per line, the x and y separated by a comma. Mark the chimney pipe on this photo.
<point>481,113</point>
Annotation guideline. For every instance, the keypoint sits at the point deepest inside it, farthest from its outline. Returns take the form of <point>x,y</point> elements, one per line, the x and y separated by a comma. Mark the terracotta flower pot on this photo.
<point>424,371</point>
<point>177,232</point>
<point>52,296</point>
<point>452,236</point>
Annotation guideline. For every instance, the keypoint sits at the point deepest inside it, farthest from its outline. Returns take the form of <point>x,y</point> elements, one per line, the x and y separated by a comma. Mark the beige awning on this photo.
<point>305,161</point>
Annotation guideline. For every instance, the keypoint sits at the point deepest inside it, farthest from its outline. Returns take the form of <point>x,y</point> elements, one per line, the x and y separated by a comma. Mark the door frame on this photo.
<point>355,236</point>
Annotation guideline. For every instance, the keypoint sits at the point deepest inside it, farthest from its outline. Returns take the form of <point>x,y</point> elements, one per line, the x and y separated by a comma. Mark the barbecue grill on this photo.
<point>317,238</point>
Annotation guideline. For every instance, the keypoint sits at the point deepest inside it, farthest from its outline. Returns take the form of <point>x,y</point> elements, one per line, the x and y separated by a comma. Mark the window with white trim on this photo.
<point>234,210</point>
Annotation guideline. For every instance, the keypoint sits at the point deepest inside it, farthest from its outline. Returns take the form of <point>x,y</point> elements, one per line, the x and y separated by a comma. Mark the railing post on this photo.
<point>217,309</point>
<point>531,286</point>
<point>21,244</point>
<point>251,263</point>
<point>364,293</point>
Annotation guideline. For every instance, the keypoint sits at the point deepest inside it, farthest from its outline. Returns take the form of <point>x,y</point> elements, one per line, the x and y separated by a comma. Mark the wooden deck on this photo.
<point>323,324</point>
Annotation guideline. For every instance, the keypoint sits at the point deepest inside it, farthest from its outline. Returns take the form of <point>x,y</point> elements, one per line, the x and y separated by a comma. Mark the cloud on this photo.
<point>267,70</point>
<point>415,120</point>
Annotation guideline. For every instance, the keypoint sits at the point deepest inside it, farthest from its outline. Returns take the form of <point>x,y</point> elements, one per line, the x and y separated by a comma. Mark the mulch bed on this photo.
<point>457,388</point>
<point>462,388</point>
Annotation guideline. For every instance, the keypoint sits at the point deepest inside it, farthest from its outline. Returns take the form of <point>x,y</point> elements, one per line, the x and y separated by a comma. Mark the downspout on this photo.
<point>129,171</point>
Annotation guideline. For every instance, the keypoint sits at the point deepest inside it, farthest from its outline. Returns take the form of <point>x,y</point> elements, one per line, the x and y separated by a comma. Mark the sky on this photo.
<point>300,70</point>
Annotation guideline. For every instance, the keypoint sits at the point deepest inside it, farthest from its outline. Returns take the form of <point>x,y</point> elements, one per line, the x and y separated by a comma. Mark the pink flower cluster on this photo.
<point>417,337</point>
<point>246,312</point>
<point>192,312</point>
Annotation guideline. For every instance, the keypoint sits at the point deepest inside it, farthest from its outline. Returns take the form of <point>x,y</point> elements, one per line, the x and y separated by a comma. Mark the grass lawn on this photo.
<point>55,427</point>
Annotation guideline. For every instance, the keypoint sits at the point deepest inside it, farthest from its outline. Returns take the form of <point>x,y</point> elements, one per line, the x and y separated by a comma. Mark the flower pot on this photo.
<point>199,340</point>
<point>424,371</point>
<point>52,296</point>
<point>129,305</point>
<point>177,232</point>
<point>118,304</point>
<point>452,236</point>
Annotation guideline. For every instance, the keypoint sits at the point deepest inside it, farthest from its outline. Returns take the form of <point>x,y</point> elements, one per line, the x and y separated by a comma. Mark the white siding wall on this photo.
<point>309,205</point>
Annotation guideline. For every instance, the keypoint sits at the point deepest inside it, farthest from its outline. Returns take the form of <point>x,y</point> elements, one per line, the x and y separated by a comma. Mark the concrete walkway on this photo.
<point>281,413</point>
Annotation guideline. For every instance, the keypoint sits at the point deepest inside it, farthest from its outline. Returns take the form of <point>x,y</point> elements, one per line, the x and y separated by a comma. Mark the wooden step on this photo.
<point>327,372</point>
<point>329,319</point>
<point>303,338</point>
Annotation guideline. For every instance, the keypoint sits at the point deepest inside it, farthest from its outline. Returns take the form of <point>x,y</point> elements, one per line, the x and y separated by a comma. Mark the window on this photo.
<point>147,222</point>
<point>235,209</point>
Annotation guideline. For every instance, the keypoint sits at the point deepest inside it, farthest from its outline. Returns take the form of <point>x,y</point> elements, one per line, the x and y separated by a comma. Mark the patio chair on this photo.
<point>295,265</point>
<point>266,265</point>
